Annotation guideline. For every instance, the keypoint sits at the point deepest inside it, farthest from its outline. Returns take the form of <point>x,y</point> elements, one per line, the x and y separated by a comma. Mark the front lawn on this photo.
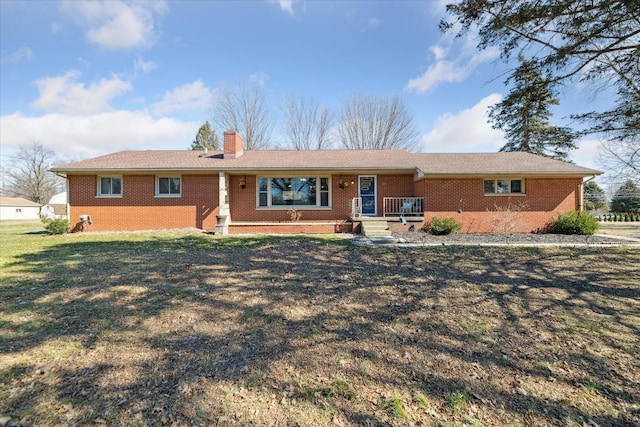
<point>184,328</point>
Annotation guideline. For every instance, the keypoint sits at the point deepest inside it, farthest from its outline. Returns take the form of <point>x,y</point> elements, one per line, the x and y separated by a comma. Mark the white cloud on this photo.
<point>87,136</point>
<point>191,96</point>
<point>374,23</point>
<point>117,25</point>
<point>64,94</point>
<point>140,66</point>
<point>286,5</point>
<point>23,53</point>
<point>587,153</point>
<point>447,69</point>
<point>259,78</point>
<point>466,131</point>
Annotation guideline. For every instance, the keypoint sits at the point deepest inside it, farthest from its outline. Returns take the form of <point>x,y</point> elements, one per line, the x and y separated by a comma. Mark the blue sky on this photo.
<point>93,77</point>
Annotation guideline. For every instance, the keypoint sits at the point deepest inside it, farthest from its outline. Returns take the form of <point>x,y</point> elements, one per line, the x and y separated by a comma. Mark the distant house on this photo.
<point>57,207</point>
<point>18,208</point>
<point>280,191</point>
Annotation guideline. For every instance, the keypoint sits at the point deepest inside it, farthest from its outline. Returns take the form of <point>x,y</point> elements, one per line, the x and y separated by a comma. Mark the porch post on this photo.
<point>222,224</point>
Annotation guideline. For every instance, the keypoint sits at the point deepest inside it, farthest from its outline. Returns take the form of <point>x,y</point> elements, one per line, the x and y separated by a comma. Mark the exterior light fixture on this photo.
<point>243,182</point>
<point>342,183</point>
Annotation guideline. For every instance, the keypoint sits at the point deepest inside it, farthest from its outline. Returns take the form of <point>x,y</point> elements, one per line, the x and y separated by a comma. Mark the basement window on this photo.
<point>109,186</point>
<point>168,186</point>
<point>493,187</point>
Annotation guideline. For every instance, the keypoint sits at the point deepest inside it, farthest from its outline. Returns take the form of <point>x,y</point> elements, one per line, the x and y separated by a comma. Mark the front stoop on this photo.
<point>377,230</point>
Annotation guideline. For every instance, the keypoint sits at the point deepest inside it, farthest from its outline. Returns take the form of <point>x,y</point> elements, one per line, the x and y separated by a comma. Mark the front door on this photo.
<point>367,193</point>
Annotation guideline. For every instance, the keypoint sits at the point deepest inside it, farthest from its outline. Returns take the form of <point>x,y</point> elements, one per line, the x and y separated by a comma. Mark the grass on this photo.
<point>458,400</point>
<point>422,400</point>
<point>182,327</point>
<point>395,408</point>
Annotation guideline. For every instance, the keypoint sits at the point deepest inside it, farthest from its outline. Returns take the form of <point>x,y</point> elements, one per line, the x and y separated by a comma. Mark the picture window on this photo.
<point>278,192</point>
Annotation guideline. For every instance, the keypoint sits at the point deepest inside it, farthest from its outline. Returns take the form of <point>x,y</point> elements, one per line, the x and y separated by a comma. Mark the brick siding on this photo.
<point>243,200</point>
<point>544,199</point>
<point>139,209</point>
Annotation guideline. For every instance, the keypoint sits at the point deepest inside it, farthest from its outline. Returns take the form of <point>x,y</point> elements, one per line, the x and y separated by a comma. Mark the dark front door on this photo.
<point>367,192</point>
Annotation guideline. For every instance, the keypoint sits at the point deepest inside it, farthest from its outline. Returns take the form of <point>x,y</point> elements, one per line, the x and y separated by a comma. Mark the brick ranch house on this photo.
<point>280,191</point>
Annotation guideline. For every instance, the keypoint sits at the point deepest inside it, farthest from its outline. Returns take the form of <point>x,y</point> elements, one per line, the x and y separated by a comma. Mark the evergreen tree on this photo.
<point>593,41</point>
<point>594,197</point>
<point>524,115</point>
<point>626,199</point>
<point>206,138</point>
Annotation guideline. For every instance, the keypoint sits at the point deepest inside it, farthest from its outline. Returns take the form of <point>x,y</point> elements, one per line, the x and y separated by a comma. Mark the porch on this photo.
<point>398,213</point>
<point>399,207</point>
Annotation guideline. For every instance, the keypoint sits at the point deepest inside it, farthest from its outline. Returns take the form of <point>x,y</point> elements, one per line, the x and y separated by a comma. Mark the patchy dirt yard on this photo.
<point>183,328</point>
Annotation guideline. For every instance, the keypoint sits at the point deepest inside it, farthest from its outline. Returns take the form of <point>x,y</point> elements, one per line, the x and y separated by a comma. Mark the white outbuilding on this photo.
<point>57,206</point>
<point>18,208</point>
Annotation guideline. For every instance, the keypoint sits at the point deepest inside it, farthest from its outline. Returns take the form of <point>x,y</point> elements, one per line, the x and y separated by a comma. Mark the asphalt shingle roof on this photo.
<point>335,160</point>
<point>17,201</point>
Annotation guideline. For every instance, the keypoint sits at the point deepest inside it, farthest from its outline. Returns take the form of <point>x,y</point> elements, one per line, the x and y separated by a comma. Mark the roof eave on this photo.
<point>522,174</point>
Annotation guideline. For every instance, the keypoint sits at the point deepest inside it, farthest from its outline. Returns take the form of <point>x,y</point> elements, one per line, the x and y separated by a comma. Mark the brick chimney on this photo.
<point>232,145</point>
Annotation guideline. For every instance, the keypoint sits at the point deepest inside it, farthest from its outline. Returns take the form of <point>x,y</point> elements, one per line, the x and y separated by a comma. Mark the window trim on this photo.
<point>522,191</point>
<point>319,192</point>
<point>169,195</point>
<point>109,196</point>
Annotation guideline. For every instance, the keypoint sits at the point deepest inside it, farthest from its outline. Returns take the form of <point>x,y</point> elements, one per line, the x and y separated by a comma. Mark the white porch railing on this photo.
<point>407,206</point>
<point>356,207</point>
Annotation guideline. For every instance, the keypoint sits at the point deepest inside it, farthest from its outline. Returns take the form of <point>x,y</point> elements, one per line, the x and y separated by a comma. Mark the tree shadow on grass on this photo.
<point>199,330</point>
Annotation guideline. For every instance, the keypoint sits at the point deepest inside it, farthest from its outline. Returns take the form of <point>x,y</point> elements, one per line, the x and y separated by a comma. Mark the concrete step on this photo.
<point>376,228</point>
<point>381,233</point>
<point>373,224</point>
<point>383,240</point>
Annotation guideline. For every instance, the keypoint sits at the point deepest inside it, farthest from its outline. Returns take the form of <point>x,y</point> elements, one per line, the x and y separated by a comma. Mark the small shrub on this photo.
<point>295,214</point>
<point>574,222</point>
<point>442,226</point>
<point>506,219</point>
<point>56,226</point>
<point>626,217</point>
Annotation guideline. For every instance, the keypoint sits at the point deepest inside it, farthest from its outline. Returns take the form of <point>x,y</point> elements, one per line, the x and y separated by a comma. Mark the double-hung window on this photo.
<point>109,186</point>
<point>283,192</point>
<point>503,186</point>
<point>168,186</point>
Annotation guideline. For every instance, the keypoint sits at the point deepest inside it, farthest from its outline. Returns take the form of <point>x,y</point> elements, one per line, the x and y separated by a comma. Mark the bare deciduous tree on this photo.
<point>243,108</point>
<point>370,122</point>
<point>29,176</point>
<point>306,124</point>
<point>621,158</point>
